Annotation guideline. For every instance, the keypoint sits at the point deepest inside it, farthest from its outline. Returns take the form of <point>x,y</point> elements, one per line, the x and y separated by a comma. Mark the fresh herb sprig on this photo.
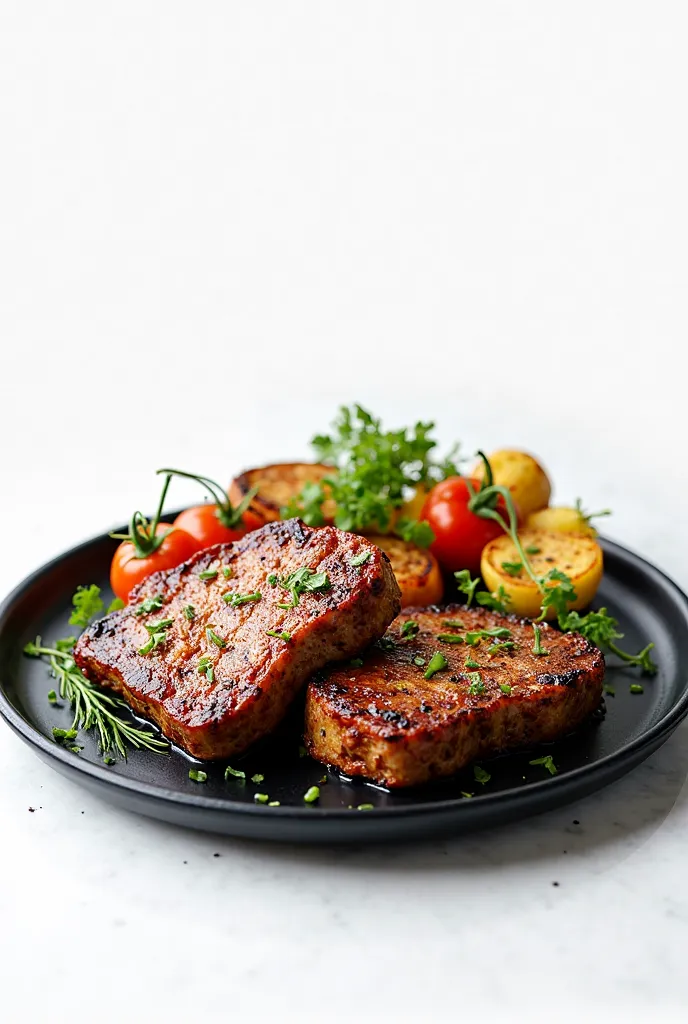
<point>556,588</point>
<point>94,708</point>
<point>372,472</point>
<point>231,516</point>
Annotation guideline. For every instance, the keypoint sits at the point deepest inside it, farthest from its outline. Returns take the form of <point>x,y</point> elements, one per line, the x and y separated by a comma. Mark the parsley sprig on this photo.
<point>373,471</point>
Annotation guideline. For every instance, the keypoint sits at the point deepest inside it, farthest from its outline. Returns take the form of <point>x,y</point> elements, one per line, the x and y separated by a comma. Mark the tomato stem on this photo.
<point>229,515</point>
<point>142,534</point>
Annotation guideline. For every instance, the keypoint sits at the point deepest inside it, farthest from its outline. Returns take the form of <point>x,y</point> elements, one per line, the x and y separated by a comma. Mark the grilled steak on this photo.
<point>384,720</point>
<point>204,664</point>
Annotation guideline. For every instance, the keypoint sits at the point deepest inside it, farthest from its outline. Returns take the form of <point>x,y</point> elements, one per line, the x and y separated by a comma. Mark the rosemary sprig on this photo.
<point>93,708</point>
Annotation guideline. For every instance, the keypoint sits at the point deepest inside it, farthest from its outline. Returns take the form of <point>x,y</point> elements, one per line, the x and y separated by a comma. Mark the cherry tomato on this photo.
<point>460,535</point>
<point>207,528</point>
<point>127,570</point>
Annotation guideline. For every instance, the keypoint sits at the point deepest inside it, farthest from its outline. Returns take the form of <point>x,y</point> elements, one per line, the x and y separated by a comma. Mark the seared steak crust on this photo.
<point>253,677</point>
<point>383,720</point>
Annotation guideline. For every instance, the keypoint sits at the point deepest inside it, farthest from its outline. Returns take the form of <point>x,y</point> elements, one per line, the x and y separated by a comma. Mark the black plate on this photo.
<point>648,605</point>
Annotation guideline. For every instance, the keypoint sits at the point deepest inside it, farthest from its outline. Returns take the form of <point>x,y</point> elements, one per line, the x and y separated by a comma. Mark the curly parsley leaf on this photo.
<point>373,471</point>
<point>87,603</point>
<point>466,585</point>
<point>415,531</point>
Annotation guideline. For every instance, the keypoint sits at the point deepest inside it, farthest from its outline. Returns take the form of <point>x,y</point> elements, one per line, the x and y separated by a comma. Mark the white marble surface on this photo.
<point>218,222</point>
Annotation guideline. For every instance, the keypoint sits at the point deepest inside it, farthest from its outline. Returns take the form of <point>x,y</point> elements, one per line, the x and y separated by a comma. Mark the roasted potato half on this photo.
<point>561,519</point>
<point>580,557</point>
<point>522,474</point>
<point>416,570</point>
<point>277,485</point>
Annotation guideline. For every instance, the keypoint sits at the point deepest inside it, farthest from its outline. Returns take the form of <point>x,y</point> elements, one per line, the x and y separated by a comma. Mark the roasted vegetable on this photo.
<point>522,474</point>
<point>280,484</point>
<point>565,519</point>
<point>575,555</point>
<point>416,571</point>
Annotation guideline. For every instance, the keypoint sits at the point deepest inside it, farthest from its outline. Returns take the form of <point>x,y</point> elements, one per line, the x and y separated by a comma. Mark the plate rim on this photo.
<point>630,752</point>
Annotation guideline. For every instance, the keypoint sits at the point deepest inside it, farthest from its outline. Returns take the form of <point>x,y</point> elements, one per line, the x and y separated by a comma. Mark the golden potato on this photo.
<point>580,557</point>
<point>416,571</point>
<point>522,474</point>
<point>561,519</point>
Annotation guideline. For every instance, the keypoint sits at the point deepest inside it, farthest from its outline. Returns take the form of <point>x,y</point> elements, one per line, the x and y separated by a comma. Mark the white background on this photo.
<point>217,222</point>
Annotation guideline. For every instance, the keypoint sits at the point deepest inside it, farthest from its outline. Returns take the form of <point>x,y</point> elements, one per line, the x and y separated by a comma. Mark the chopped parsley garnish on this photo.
<point>609,690</point>
<point>257,778</point>
<point>229,771</point>
<point>272,579</point>
<point>453,624</point>
<point>637,688</point>
<point>150,604</point>
<point>466,585</point>
<point>477,686</point>
<point>236,600</point>
<point>157,627</point>
<point>64,734</point>
<point>311,795</point>
<point>449,638</point>
<point>214,638</point>
<point>505,688</point>
<point>356,662</point>
<point>227,571</point>
<point>109,760</point>
<point>155,641</point>
<point>496,633</point>
<point>409,629</point>
<point>533,549</point>
<point>273,803</point>
<point>470,662</point>
<point>503,645</point>
<point>537,645</point>
<point>205,667</point>
<point>512,568</point>
<point>52,697</point>
<point>365,807</point>
<point>279,636</point>
<point>196,775</point>
<point>86,603</point>
<point>547,762</point>
<point>189,612</point>
<point>360,559</point>
<point>437,663</point>
<point>418,660</point>
<point>208,574</point>
<point>260,798</point>
<point>467,796</point>
<point>480,775</point>
<point>303,581</point>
